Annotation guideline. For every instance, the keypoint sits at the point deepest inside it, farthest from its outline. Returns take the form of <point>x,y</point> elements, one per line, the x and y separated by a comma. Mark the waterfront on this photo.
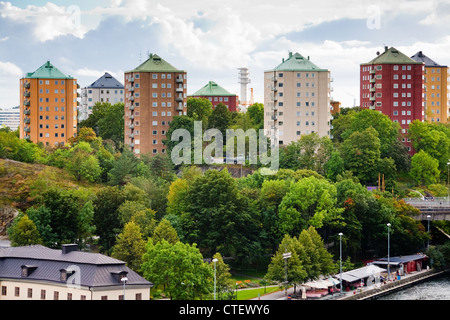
<point>435,289</point>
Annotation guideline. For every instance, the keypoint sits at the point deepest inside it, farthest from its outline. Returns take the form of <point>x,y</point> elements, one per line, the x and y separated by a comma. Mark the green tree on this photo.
<point>83,164</point>
<point>199,109</point>
<point>224,282</point>
<point>310,201</point>
<point>130,246</point>
<point>86,226</point>
<point>165,231</point>
<point>256,114</point>
<point>220,119</point>
<point>296,265</point>
<point>123,169</point>
<point>424,168</point>
<point>179,268</point>
<point>24,232</point>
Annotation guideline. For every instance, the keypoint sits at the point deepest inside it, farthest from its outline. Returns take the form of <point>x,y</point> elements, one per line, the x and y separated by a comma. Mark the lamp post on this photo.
<point>389,240</point>
<point>215,260</point>
<point>340,259</point>
<point>124,280</point>
<point>428,245</point>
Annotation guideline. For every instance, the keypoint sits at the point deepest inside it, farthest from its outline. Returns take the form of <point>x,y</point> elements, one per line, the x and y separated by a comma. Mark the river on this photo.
<point>435,289</point>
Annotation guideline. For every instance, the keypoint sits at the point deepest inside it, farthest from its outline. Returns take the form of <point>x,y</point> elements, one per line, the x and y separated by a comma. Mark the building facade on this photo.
<point>48,106</point>
<point>296,100</point>
<point>104,89</point>
<point>216,94</point>
<point>155,92</point>
<point>392,83</point>
<point>436,102</point>
<point>40,273</point>
<point>10,118</point>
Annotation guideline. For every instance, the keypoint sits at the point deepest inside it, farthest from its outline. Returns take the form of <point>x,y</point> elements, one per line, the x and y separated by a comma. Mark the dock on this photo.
<point>374,292</point>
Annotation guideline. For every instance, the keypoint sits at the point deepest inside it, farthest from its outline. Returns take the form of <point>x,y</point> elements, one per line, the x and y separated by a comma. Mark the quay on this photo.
<point>373,292</point>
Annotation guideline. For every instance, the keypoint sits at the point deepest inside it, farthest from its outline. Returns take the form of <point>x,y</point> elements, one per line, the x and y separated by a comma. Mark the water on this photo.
<point>436,289</point>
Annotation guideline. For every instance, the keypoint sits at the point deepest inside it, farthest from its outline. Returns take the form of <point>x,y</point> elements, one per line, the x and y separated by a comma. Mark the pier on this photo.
<point>374,291</point>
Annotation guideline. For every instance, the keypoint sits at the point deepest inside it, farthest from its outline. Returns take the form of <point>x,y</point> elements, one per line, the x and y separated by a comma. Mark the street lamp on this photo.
<point>428,218</point>
<point>215,260</point>
<point>340,258</point>
<point>389,240</point>
<point>124,280</point>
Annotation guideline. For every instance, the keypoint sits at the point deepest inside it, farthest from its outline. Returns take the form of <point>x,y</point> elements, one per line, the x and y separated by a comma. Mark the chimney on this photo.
<point>386,48</point>
<point>67,248</point>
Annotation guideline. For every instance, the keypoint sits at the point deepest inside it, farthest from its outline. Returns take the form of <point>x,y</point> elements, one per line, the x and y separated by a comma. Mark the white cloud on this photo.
<point>9,69</point>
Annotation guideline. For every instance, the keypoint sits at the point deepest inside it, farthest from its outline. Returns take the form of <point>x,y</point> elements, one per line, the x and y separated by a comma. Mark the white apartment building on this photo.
<point>296,100</point>
<point>10,118</point>
<point>104,89</point>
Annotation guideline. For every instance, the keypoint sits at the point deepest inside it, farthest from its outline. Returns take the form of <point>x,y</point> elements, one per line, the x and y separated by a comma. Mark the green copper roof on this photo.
<point>47,71</point>
<point>392,56</point>
<point>212,89</point>
<point>296,62</point>
<point>155,64</point>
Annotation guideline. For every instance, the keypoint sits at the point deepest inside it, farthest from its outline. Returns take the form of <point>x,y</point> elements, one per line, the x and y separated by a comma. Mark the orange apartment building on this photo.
<point>436,89</point>
<point>155,92</point>
<point>48,106</point>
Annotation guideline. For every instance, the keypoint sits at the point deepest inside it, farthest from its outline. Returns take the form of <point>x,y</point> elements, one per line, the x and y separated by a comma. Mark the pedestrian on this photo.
<point>331,290</point>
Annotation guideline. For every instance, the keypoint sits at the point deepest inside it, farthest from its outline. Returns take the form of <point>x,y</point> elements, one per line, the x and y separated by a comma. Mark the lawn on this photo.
<point>253,293</point>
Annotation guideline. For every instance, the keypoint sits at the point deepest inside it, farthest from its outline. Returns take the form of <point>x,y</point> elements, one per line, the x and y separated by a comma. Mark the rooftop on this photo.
<point>47,71</point>
<point>296,62</point>
<point>46,264</point>
<point>212,89</point>
<point>106,81</point>
<point>155,63</point>
<point>391,56</point>
<point>420,57</point>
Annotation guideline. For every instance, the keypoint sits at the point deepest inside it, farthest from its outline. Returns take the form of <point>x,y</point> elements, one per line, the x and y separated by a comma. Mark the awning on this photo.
<point>361,273</point>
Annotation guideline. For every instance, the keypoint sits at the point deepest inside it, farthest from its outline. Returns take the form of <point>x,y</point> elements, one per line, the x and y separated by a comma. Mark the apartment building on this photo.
<point>104,89</point>
<point>10,118</point>
<point>48,106</point>
<point>155,92</point>
<point>217,94</point>
<point>40,273</point>
<point>296,100</point>
<point>435,97</point>
<point>392,83</point>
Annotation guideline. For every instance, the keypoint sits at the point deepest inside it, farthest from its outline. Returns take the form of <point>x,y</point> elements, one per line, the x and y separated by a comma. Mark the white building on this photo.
<point>104,89</point>
<point>10,118</point>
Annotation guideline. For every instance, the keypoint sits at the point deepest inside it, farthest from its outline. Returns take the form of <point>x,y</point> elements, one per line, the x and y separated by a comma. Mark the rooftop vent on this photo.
<point>67,248</point>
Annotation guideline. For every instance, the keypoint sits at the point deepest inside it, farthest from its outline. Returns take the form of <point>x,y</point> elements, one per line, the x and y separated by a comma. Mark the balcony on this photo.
<point>131,79</point>
<point>131,89</point>
<point>179,99</point>
<point>27,137</point>
<point>274,79</point>
<point>26,120</point>
<point>27,129</point>
<point>179,80</point>
<point>274,89</point>
<point>26,94</point>
<point>372,98</point>
<point>372,80</point>
<point>26,85</point>
<point>372,71</point>
<point>26,103</point>
<point>78,86</point>
<point>131,145</point>
<point>132,117</point>
<point>179,89</point>
<point>131,126</point>
<point>372,89</point>
<point>131,136</point>
<point>26,112</point>
<point>78,95</point>
<point>132,98</point>
<point>179,107</point>
<point>132,107</point>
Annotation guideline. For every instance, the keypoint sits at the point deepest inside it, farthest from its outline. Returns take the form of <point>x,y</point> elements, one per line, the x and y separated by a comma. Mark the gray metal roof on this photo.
<point>401,259</point>
<point>92,269</point>
<point>107,81</point>
<point>420,57</point>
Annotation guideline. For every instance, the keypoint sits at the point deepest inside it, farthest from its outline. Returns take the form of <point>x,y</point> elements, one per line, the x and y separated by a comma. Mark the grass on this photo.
<point>253,293</point>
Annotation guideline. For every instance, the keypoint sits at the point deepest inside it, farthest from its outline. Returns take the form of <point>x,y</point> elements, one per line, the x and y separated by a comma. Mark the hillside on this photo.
<point>20,183</point>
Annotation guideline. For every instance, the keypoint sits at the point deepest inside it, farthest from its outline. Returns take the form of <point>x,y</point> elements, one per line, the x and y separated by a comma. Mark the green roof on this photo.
<point>155,64</point>
<point>392,56</point>
<point>296,62</point>
<point>47,71</point>
<point>212,89</point>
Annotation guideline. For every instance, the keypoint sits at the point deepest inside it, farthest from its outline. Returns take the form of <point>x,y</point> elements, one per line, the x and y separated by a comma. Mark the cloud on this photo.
<point>9,69</point>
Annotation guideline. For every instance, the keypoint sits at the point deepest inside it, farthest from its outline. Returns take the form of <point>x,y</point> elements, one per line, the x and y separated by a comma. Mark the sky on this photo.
<point>212,39</point>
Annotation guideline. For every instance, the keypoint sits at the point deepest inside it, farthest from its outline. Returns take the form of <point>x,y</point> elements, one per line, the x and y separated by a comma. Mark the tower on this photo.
<point>244,80</point>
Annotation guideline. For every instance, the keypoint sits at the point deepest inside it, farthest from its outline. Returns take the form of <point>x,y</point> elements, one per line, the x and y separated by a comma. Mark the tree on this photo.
<point>424,168</point>
<point>130,246</point>
<point>224,283</point>
<point>220,119</point>
<point>179,268</point>
<point>361,154</point>
<point>86,227</point>
<point>199,109</point>
<point>24,232</point>
<point>83,164</point>
<point>124,168</point>
<point>165,231</point>
<point>217,216</point>
<point>256,114</point>
<point>310,201</point>
<point>295,266</point>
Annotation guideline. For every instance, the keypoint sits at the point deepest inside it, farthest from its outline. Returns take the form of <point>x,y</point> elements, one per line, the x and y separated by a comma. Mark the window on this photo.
<point>17,291</point>
<point>30,293</point>
<point>56,295</point>
<point>42,294</point>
